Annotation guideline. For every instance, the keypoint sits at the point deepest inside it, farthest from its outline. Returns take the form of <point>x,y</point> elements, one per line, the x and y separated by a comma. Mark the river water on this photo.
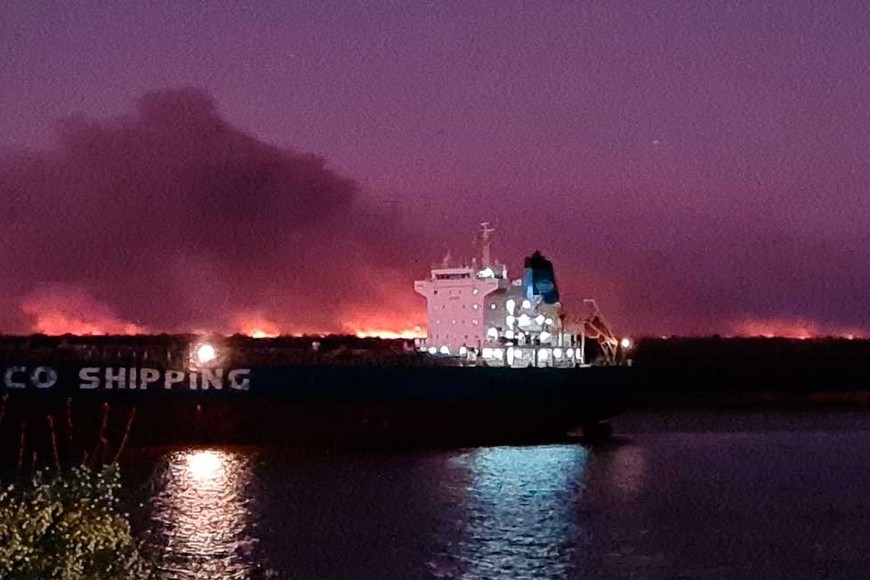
<point>676,495</point>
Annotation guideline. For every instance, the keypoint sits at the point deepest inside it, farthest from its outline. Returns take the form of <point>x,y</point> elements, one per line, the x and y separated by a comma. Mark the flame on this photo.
<point>392,310</point>
<point>408,333</point>
<point>255,324</point>
<point>67,310</point>
<point>796,327</point>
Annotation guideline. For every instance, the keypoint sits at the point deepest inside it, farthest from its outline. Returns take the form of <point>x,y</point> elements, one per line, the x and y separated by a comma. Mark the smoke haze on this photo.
<point>170,219</point>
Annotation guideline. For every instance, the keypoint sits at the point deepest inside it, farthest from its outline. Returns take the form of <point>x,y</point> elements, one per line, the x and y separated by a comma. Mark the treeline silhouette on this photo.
<point>176,350</point>
<point>712,371</point>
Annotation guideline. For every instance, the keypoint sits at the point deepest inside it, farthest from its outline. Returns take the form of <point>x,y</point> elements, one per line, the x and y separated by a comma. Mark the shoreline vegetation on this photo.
<point>60,512</point>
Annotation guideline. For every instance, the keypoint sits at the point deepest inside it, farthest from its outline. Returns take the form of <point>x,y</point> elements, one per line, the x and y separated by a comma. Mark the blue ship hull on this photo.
<point>333,405</point>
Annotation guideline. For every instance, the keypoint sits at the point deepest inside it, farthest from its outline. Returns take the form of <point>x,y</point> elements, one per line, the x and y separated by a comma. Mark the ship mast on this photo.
<point>485,244</point>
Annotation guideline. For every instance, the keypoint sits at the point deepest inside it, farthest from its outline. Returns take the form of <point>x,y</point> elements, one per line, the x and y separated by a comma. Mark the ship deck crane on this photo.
<point>597,328</point>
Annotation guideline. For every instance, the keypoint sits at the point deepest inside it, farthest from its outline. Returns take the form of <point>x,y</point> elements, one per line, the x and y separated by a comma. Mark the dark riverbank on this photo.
<point>716,372</point>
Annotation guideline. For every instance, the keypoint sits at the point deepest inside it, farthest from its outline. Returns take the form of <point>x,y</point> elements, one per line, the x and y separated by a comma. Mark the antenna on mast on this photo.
<point>445,263</point>
<point>485,244</point>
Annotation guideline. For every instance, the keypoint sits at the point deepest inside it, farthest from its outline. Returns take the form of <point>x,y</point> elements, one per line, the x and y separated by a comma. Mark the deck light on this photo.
<point>205,353</point>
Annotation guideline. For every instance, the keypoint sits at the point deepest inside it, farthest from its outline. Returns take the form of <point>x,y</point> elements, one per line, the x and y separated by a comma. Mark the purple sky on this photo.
<point>695,166</point>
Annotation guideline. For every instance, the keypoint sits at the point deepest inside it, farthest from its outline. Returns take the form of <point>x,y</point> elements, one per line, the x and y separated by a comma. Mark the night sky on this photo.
<point>697,167</point>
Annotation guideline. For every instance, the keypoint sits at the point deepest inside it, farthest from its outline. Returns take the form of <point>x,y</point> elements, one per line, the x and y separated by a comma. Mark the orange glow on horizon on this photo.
<point>392,310</point>
<point>796,328</point>
<point>58,324</point>
<point>407,334</point>
<point>61,310</point>
<point>255,325</point>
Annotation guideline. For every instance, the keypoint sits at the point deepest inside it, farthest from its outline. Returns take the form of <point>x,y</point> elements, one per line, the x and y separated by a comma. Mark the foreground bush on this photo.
<point>68,526</point>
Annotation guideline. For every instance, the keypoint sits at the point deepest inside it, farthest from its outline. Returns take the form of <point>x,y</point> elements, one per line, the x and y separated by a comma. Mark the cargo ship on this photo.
<point>498,365</point>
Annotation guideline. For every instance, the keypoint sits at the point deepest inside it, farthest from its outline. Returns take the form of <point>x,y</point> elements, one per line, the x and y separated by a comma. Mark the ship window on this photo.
<point>474,322</point>
<point>475,291</point>
<point>475,306</point>
<point>492,305</point>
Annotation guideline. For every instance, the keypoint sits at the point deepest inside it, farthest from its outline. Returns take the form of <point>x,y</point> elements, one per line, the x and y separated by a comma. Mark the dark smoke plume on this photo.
<point>170,219</point>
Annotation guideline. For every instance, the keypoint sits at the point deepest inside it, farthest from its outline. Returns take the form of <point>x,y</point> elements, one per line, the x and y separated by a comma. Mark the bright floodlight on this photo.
<point>625,343</point>
<point>205,353</point>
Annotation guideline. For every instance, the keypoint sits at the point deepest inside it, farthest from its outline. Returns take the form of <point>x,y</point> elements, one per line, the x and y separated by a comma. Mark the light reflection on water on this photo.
<point>519,512</point>
<point>200,514</point>
<point>787,502</point>
<point>497,512</point>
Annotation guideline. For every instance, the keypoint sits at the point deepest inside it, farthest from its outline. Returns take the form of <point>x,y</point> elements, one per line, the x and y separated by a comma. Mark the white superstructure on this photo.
<point>478,314</point>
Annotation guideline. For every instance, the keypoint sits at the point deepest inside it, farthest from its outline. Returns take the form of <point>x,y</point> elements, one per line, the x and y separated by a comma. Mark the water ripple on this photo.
<point>201,515</point>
